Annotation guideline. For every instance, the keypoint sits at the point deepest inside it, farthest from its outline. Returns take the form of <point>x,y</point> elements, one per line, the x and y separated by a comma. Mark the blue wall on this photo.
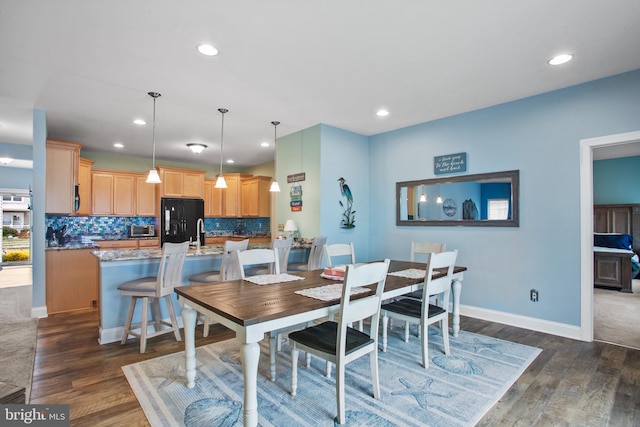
<point>616,181</point>
<point>539,136</point>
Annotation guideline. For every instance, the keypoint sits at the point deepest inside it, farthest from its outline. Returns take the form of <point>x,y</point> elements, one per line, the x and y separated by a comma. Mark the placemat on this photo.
<point>270,279</point>
<point>329,292</point>
<point>410,273</point>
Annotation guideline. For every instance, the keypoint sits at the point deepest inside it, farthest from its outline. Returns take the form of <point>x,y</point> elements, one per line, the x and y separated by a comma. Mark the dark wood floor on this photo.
<point>571,383</point>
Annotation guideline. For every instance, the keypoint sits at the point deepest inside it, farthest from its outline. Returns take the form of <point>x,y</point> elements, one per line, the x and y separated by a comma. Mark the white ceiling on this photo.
<point>89,64</point>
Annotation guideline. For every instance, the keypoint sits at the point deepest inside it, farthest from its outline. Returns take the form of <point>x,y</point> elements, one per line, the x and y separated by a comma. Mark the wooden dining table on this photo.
<point>252,310</point>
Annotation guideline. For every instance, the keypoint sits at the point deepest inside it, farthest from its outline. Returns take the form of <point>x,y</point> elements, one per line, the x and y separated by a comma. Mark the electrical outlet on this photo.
<point>534,295</point>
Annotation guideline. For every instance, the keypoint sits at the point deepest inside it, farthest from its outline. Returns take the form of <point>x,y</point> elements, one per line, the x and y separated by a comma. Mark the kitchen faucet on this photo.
<point>200,227</point>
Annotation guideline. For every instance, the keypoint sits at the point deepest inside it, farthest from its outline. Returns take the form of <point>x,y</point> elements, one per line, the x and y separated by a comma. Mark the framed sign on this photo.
<point>450,163</point>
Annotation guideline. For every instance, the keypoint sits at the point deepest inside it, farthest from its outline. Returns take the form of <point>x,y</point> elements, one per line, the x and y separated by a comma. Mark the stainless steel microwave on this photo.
<point>142,231</point>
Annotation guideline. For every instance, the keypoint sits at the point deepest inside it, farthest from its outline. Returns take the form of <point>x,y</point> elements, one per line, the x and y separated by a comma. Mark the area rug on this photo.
<point>615,316</point>
<point>18,352</point>
<point>456,390</point>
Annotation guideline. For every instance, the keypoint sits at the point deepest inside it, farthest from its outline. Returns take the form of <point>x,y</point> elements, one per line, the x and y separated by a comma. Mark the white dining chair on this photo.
<point>343,251</point>
<point>283,246</point>
<point>153,289</point>
<point>314,262</point>
<point>257,257</point>
<point>422,311</point>
<point>340,344</point>
<point>228,271</point>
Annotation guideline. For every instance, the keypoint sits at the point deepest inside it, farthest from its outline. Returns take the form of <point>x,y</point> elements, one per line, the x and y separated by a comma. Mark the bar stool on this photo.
<point>151,290</point>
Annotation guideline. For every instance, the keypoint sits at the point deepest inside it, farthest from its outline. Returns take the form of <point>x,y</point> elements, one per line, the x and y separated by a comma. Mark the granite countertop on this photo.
<point>141,254</point>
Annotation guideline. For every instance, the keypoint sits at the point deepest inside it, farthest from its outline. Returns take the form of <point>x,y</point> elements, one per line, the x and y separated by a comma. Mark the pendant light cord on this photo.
<point>223,111</point>
<point>154,95</point>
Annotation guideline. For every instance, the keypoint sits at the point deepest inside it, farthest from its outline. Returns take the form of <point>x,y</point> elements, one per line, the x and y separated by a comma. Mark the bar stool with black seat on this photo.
<point>153,289</point>
<point>314,262</point>
<point>422,311</point>
<point>340,344</point>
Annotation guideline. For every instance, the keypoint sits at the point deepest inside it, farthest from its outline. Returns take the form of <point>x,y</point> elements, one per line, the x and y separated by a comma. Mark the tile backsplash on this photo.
<point>118,226</point>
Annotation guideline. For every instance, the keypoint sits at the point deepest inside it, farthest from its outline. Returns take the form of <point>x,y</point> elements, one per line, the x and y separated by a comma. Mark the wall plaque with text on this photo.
<point>450,163</point>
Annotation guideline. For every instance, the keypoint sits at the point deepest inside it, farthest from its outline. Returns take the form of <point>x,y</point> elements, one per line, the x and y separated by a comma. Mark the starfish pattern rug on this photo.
<point>456,390</point>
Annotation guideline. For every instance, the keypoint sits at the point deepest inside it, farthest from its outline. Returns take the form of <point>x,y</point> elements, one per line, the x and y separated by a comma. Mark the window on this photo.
<point>498,209</point>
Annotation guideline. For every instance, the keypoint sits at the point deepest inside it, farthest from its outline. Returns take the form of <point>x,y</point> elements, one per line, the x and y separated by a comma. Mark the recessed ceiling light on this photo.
<point>382,113</point>
<point>118,145</point>
<point>264,144</point>
<point>139,122</point>
<point>560,59</point>
<point>230,161</point>
<point>207,50</point>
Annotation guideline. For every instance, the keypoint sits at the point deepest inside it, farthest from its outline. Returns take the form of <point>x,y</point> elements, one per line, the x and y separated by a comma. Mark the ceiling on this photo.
<point>90,65</point>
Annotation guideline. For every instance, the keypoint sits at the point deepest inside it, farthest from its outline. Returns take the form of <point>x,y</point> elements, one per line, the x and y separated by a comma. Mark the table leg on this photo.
<point>456,287</point>
<point>189,321</point>
<point>250,355</point>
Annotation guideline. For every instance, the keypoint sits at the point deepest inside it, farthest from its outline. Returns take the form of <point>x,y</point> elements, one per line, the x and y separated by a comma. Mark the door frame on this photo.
<point>586,222</point>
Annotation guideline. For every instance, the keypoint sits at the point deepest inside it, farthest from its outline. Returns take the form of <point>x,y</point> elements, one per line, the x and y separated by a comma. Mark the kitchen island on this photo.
<point>118,266</point>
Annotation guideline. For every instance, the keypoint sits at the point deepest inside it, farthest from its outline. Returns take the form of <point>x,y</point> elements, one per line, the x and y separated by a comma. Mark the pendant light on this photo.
<point>275,187</point>
<point>153,177</point>
<point>220,182</point>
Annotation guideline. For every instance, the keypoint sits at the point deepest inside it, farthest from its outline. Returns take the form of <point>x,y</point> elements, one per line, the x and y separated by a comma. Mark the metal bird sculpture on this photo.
<point>348,216</point>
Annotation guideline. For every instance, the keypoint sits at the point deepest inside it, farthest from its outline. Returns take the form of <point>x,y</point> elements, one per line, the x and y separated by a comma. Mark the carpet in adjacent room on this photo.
<point>455,391</point>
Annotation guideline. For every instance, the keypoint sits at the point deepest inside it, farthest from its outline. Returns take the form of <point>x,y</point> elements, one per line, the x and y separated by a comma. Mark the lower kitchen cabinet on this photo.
<point>71,280</point>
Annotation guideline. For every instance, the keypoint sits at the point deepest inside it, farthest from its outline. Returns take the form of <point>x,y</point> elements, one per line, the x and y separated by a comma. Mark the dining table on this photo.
<point>254,309</point>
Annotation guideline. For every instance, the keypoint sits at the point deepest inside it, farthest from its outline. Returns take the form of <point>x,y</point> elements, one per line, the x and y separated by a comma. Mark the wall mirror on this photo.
<point>487,199</point>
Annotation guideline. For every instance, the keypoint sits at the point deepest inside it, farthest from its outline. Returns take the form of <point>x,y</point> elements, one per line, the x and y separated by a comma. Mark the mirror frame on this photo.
<point>514,221</point>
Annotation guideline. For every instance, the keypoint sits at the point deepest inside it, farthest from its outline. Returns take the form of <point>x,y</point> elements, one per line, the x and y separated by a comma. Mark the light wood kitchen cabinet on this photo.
<point>113,193</point>
<point>231,196</point>
<point>148,243</point>
<point>117,244</point>
<point>145,197</point>
<point>101,193</point>
<point>255,196</point>
<point>61,176</point>
<point>71,280</point>
<point>84,186</point>
<point>178,182</point>
<point>212,199</point>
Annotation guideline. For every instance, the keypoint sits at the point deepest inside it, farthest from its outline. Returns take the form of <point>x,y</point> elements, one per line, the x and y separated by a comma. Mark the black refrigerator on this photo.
<point>179,220</point>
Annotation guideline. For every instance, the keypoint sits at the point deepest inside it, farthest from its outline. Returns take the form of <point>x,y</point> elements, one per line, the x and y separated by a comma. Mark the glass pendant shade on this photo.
<point>275,187</point>
<point>220,182</point>
<point>153,177</point>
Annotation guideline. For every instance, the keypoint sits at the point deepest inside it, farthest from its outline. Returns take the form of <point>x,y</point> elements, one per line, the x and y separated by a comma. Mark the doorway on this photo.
<point>587,146</point>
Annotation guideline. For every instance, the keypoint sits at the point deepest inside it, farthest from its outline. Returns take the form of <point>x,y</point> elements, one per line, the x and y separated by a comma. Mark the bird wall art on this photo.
<point>348,219</point>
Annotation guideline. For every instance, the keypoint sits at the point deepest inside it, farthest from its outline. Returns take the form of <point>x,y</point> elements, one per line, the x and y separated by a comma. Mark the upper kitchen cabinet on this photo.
<point>113,193</point>
<point>84,186</point>
<point>255,196</point>
<point>231,196</point>
<point>145,197</point>
<point>212,199</point>
<point>62,176</point>
<point>181,182</point>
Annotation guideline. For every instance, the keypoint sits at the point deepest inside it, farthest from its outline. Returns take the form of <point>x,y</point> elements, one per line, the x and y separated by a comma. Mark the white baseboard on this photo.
<point>39,312</point>
<point>531,323</point>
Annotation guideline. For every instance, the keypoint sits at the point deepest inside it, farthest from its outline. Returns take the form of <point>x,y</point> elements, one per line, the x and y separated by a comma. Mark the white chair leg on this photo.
<point>375,380</point>
<point>127,326</point>
<point>444,326</point>
<point>385,323</point>
<point>272,354</point>
<point>205,326</point>
<point>308,357</point>
<point>425,346</point>
<point>340,393</point>
<point>143,324</point>
<point>294,369</point>
<point>328,369</point>
<point>172,314</point>
<point>154,305</point>
<point>406,332</point>
<point>279,342</point>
